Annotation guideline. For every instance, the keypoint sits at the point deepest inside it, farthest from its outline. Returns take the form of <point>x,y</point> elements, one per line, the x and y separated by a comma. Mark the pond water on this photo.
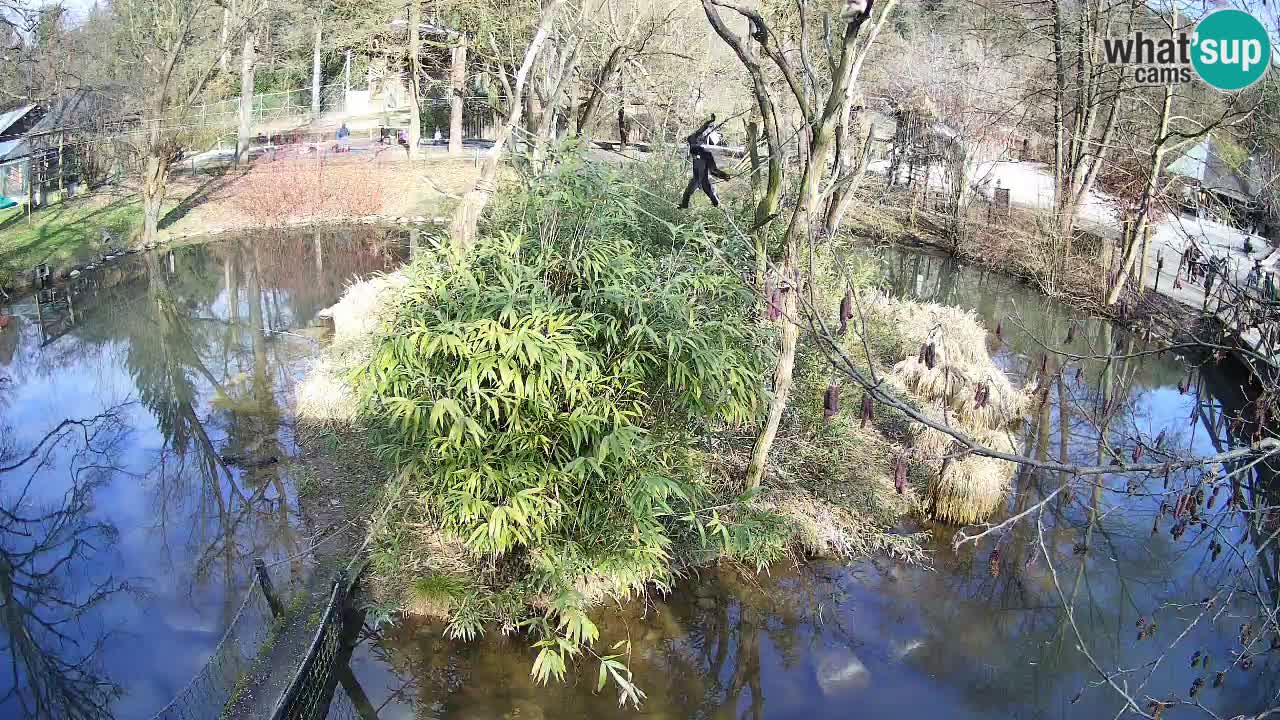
<point>965,637</point>
<point>144,439</point>
<point>176,369</point>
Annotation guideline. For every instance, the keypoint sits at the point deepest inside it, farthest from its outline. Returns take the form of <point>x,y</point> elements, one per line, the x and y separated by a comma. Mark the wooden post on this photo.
<point>457,89</point>
<point>1142,261</point>
<point>268,591</point>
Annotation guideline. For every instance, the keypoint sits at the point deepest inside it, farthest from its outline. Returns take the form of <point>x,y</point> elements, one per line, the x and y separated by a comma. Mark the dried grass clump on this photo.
<point>363,307</point>
<point>955,387</point>
<point>325,399</point>
<point>824,528</point>
<point>968,489</point>
<point>957,334</point>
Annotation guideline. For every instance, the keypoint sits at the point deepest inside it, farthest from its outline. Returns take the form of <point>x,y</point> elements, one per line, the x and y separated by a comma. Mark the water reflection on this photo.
<point>986,631</point>
<point>49,582</point>
<point>194,352</point>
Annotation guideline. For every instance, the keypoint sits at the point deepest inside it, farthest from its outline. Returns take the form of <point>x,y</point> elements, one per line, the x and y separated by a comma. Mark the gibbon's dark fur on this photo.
<point>704,166</point>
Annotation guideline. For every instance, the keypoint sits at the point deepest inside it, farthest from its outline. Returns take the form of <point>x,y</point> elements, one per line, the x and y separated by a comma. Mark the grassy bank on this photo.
<point>567,415</point>
<point>69,234</point>
<point>65,234</point>
<point>1023,247</point>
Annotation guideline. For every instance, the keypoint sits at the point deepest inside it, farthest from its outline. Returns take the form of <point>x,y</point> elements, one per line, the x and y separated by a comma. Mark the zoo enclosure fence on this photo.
<point>241,657</point>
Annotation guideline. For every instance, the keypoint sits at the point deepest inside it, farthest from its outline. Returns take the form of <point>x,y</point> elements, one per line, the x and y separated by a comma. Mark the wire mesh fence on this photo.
<point>231,662</point>
<point>308,695</point>
<point>270,106</point>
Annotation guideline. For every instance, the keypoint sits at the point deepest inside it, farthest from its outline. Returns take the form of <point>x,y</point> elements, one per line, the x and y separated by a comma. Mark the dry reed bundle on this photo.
<point>359,314</point>
<point>956,334</point>
<point>955,382</point>
<point>968,489</point>
<point>959,388</point>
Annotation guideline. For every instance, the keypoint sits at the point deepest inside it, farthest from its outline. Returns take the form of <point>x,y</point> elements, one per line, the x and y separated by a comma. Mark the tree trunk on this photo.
<point>457,90</point>
<point>1133,240</point>
<point>808,207</point>
<point>843,197</point>
<point>466,218</point>
<point>248,63</point>
<point>808,210</point>
<point>315,70</point>
<point>154,175</point>
<point>415,72</point>
<point>592,104</point>
<point>224,60</point>
<point>1061,193</point>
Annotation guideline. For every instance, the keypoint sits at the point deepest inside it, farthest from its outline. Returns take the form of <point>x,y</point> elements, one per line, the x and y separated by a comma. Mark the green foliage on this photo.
<point>756,537</point>
<point>1230,151</point>
<point>541,399</point>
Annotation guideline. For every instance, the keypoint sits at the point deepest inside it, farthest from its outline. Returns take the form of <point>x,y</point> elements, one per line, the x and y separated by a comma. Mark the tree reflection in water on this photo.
<point>48,581</point>
<point>209,340</point>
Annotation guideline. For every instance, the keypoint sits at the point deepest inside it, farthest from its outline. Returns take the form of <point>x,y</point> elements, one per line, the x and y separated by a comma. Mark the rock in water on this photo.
<point>840,671</point>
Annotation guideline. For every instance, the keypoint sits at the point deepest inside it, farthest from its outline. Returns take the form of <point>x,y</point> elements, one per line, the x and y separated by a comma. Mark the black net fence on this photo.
<point>275,660</point>
<point>308,695</point>
<point>230,665</point>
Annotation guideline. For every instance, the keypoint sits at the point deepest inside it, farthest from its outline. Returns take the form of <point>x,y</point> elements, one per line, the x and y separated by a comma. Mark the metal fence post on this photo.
<point>264,581</point>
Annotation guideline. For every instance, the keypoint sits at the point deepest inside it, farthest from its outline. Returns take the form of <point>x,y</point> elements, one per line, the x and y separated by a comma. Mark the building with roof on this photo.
<point>43,147</point>
<point>1205,182</point>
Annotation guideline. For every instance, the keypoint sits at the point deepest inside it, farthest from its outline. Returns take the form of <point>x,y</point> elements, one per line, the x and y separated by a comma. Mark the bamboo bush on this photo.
<point>539,403</point>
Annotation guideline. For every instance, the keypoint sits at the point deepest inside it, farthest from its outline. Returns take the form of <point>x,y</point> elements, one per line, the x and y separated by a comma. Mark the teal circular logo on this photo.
<point>1230,49</point>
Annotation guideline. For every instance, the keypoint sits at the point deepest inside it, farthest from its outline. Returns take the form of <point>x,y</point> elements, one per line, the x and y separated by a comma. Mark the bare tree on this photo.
<point>821,109</point>
<point>167,52</point>
<point>462,230</point>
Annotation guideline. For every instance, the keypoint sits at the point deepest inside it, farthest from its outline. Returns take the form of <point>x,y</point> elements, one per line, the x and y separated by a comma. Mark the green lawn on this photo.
<point>65,234</point>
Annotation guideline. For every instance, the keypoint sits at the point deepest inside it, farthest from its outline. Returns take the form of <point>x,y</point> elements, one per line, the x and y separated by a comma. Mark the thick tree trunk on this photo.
<point>798,232</point>
<point>808,212</point>
<point>782,376</point>
<point>415,72</point>
<point>315,69</point>
<point>1061,193</point>
<point>457,91</point>
<point>592,104</point>
<point>248,64</point>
